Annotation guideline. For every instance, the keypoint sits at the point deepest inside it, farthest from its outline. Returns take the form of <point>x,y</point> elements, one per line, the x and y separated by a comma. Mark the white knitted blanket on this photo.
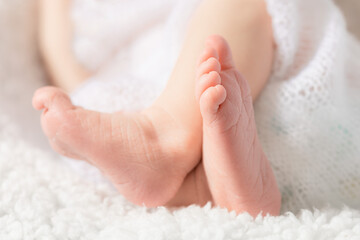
<point>307,118</point>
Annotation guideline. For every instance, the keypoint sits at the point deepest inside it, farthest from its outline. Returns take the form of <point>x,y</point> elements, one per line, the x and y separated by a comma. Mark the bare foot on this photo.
<point>239,175</point>
<point>151,158</point>
<point>146,155</point>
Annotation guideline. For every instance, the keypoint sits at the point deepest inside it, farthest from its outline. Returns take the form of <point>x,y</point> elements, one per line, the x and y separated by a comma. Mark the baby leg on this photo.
<point>138,151</point>
<point>55,38</point>
<point>246,26</point>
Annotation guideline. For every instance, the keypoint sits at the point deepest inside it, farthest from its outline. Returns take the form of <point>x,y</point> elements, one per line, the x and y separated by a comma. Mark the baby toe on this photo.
<point>212,64</point>
<point>223,49</point>
<point>207,80</point>
<point>51,97</point>
<point>210,102</point>
<point>209,52</point>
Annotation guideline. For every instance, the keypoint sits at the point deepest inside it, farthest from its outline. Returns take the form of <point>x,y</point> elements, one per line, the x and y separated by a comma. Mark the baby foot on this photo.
<point>145,162</point>
<point>239,175</point>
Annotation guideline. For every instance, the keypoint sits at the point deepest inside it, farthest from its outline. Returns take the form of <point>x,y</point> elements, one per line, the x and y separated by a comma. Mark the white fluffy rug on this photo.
<point>43,196</point>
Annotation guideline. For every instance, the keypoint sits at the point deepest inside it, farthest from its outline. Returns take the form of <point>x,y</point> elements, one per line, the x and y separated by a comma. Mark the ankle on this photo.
<point>174,136</point>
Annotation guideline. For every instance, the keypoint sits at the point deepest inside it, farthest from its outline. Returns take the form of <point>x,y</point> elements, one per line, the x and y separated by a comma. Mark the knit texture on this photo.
<point>307,116</point>
<point>43,197</point>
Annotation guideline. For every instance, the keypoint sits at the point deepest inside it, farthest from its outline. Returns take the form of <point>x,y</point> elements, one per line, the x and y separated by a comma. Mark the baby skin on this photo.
<point>144,160</point>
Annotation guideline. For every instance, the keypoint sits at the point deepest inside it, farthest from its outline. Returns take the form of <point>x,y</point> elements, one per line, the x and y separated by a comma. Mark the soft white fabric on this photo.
<point>307,117</point>
<point>43,197</point>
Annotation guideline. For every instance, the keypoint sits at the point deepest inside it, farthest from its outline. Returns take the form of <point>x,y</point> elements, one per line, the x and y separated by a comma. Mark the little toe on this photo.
<point>207,80</point>
<point>210,102</point>
<point>212,64</point>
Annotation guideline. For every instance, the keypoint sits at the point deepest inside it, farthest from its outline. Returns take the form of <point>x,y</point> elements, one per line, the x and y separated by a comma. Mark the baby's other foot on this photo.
<point>145,163</point>
<point>239,174</point>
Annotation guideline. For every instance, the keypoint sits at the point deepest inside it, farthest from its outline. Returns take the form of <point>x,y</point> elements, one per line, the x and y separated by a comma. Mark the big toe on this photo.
<point>51,97</point>
<point>222,49</point>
